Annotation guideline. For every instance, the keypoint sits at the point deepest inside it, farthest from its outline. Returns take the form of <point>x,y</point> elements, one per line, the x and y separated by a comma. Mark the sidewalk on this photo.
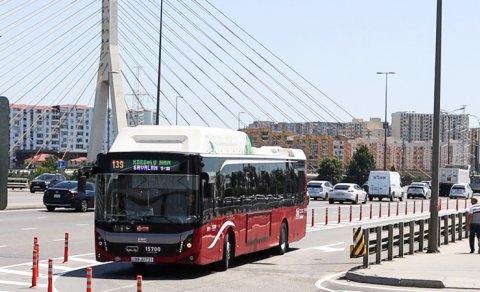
<point>453,267</point>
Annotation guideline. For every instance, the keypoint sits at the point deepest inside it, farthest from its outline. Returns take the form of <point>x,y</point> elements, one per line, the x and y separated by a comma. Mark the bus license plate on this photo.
<point>142,259</point>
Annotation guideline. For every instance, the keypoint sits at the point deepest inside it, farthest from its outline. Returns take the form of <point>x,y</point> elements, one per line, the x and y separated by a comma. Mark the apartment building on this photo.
<point>412,126</point>
<point>316,147</point>
<point>58,129</point>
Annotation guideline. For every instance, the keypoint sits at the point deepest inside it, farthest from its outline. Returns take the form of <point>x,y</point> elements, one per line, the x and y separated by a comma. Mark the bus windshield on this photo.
<point>146,198</point>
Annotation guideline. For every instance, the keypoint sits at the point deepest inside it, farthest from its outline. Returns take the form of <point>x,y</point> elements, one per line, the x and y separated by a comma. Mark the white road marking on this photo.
<point>59,239</point>
<point>21,283</point>
<point>373,286</point>
<point>85,224</point>
<point>3,245</point>
<point>76,259</point>
<point>29,228</point>
<point>320,282</point>
<point>41,217</point>
<point>329,248</point>
<point>10,271</point>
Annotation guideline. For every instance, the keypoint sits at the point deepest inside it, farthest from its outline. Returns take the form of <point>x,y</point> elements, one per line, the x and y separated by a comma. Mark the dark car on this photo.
<point>65,194</point>
<point>42,182</point>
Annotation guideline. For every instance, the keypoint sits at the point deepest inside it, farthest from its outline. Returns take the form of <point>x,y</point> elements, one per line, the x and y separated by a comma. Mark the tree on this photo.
<point>360,165</point>
<point>49,166</point>
<point>331,168</point>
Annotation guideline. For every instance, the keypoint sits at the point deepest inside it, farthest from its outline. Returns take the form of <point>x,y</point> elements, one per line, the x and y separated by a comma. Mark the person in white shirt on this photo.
<point>473,224</point>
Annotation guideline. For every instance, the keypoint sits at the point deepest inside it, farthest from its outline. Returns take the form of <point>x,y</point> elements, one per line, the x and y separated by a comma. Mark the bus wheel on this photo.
<point>226,261</point>
<point>283,240</point>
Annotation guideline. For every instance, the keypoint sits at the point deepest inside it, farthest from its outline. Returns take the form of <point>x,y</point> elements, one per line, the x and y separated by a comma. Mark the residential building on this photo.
<point>412,126</point>
<point>58,129</point>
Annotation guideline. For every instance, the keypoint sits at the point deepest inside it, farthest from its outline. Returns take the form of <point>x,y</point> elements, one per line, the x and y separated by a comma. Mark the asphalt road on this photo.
<point>312,264</point>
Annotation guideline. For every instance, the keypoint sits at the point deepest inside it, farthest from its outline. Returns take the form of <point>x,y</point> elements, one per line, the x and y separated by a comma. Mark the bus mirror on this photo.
<point>82,184</point>
<point>204,177</point>
<point>89,171</point>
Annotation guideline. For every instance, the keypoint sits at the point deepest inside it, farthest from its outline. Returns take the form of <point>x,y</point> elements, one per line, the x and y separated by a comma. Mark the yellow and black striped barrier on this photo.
<point>358,248</point>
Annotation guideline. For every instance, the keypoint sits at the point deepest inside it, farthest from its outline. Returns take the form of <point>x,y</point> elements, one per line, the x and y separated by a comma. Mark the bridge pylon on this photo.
<point>109,83</point>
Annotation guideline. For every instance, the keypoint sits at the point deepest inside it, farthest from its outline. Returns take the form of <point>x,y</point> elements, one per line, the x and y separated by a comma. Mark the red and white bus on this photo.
<point>196,195</point>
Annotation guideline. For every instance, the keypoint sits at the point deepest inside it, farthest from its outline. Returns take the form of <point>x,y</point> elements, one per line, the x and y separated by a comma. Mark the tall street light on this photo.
<point>239,113</point>
<point>385,125</point>
<point>176,109</point>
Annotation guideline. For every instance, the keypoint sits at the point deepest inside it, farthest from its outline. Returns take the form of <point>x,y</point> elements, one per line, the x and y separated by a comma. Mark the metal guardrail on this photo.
<point>18,183</point>
<point>390,240</point>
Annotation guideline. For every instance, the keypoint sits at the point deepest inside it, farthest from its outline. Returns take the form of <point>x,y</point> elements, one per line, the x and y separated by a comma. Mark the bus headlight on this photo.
<point>187,243</point>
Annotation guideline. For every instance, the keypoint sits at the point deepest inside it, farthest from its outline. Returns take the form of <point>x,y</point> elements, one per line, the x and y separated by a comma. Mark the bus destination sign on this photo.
<point>144,165</point>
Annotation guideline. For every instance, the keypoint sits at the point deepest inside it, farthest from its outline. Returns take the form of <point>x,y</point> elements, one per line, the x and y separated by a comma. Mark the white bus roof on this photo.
<point>194,139</point>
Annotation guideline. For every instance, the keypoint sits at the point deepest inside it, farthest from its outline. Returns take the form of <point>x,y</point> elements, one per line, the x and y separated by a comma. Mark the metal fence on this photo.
<point>391,240</point>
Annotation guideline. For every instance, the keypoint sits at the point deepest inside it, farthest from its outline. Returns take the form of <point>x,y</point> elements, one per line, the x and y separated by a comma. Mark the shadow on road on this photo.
<point>126,271</point>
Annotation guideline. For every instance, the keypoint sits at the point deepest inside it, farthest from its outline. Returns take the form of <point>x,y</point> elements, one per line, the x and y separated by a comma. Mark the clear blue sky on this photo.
<point>338,45</point>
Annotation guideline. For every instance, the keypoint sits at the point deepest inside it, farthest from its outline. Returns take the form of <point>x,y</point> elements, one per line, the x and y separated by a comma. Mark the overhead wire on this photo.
<point>243,66</point>
<point>180,79</point>
<point>24,49</point>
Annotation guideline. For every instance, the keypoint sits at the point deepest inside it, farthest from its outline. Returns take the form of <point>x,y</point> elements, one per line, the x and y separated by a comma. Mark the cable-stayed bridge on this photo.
<point>211,69</point>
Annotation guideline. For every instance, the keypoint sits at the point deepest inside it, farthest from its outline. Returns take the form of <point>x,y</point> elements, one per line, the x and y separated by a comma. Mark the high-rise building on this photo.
<point>412,126</point>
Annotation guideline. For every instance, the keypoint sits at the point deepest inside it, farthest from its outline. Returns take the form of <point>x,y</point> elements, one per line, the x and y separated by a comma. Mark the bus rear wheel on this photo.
<point>283,240</point>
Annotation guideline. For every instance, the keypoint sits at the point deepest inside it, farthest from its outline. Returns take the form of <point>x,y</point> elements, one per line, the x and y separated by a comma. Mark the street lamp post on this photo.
<point>239,113</point>
<point>385,125</point>
<point>176,109</point>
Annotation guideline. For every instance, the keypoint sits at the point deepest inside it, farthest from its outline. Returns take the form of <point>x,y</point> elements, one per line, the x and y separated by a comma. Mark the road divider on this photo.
<point>65,251</point>
<point>89,279</point>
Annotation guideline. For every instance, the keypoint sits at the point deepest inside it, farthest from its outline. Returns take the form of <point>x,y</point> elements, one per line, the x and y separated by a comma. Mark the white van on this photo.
<point>384,184</point>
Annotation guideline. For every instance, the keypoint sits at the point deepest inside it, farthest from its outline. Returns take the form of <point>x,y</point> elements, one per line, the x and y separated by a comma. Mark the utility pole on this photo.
<point>433,222</point>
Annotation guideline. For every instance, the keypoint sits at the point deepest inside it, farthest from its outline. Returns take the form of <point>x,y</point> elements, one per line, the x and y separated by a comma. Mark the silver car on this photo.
<point>347,192</point>
<point>319,189</point>
<point>463,191</point>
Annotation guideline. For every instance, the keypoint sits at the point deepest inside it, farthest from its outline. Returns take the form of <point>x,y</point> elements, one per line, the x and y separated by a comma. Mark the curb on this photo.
<point>13,208</point>
<point>379,280</point>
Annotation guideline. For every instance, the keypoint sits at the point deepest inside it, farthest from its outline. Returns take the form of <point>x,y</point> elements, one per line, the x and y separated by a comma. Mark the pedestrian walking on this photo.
<point>473,224</point>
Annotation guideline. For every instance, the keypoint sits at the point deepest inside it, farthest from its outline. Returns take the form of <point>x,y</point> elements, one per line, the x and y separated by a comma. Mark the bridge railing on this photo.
<point>394,240</point>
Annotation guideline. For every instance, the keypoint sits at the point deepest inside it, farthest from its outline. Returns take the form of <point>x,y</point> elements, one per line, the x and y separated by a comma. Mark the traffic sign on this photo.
<point>61,164</point>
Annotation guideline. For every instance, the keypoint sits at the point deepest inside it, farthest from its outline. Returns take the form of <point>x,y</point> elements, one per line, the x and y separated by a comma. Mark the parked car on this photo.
<point>461,191</point>
<point>343,192</point>
<point>419,189</point>
<point>43,181</point>
<point>65,194</point>
<point>319,189</point>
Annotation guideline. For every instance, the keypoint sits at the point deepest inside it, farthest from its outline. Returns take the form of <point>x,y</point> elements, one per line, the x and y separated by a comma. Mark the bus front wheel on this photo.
<point>227,258</point>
